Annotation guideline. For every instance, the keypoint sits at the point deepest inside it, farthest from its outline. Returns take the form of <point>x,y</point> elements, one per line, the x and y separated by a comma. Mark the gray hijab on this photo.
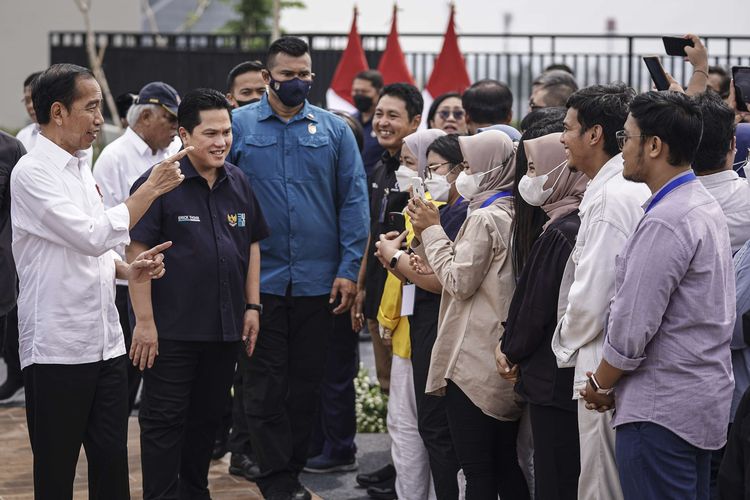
<point>483,152</point>
<point>418,142</point>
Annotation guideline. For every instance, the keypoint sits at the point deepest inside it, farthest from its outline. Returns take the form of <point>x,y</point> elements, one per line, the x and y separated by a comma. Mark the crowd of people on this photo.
<point>556,308</point>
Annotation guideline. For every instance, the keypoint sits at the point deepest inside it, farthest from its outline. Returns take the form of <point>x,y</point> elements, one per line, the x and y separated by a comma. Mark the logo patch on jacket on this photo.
<point>236,220</point>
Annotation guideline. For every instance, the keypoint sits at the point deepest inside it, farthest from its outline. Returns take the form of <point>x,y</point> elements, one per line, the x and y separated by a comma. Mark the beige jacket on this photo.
<point>477,278</point>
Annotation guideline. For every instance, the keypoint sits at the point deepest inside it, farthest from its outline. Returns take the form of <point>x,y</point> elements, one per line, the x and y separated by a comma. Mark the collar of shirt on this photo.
<point>391,163</point>
<point>189,171</point>
<point>713,180</point>
<point>681,174</point>
<point>55,154</point>
<point>610,169</point>
<point>140,146</point>
<point>265,111</point>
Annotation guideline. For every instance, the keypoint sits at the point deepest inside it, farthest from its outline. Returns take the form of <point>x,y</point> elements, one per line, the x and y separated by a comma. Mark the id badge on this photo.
<point>407,299</point>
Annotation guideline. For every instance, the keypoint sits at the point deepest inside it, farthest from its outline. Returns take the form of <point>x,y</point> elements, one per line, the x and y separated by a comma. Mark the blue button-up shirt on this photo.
<point>308,176</point>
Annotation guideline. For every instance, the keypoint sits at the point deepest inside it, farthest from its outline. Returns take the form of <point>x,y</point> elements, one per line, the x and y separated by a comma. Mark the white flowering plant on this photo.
<point>371,405</point>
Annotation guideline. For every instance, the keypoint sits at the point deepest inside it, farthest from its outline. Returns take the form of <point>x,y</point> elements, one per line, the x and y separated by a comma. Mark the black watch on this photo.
<point>254,307</point>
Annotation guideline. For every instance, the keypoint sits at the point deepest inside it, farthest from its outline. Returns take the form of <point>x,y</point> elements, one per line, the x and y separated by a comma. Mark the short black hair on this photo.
<point>542,116</point>
<point>123,102</point>
<point>718,132</point>
<point>725,80</point>
<point>409,94</point>
<point>436,104</point>
<point>56,84</point>
<point>559,84</point>
<point>604,105</point>
<point>560,66</point>
<point>355,126</point>
<point>195,101</point>
<point>30,79</point>
<point>373,76</point>
<point>488,101</point>
<point>290,45</point>
<point>673,117</point>
<point>448,147</point>
<point>241,69</point>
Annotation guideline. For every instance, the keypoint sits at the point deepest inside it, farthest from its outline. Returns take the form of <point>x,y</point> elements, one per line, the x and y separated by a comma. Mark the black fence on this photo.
<point>203,60</point>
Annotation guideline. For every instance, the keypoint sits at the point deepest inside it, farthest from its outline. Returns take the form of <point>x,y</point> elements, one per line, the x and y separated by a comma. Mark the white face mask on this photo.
<point>438,187</point>
<point>532,189</point>
<point>403,177</point>
<point>467,185</point>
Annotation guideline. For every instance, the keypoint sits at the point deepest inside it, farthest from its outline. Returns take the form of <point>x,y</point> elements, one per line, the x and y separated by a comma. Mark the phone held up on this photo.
<point>675,45</point>
<point>417,185</point>
<point>658,75</point>
<point>741,79</point>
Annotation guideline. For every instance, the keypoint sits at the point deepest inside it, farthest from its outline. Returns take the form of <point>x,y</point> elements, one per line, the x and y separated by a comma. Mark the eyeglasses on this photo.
<point>435,166</point>
<point>458,114</point>
<point>622,137</point>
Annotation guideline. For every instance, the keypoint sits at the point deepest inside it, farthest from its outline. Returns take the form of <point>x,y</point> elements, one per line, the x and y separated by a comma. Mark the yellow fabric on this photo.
<point>389,311</point>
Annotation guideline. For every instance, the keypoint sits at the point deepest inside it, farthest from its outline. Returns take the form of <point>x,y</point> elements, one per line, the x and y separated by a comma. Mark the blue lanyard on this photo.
<point>669,187</point>
<point>501,194</point>
<point>458,201</point>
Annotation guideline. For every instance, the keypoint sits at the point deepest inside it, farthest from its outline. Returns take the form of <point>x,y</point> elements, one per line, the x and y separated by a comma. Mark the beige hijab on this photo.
<point>483,152</point>
<point>545,153</point>
<point>418,142</point>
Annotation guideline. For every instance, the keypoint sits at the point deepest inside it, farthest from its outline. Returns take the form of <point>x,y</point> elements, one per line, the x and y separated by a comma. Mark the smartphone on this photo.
<point>395,221</point>
<point>675,45</point>
<point>658,75</point>
<point>417,185</point>
<point>741,78</point>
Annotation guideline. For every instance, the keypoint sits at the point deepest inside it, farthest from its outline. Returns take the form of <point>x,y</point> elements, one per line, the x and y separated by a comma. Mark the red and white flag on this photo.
<point>449,73</point>
<point>339,94</point>
<point>393,63</point>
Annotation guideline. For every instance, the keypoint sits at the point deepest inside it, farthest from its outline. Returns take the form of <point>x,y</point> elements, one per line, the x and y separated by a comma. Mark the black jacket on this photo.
<point>11,150</point>
<point>532,317</point>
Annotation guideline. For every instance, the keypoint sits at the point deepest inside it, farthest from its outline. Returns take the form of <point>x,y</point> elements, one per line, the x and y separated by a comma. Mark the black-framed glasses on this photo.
<point>622,137</point>
<point>458,114</point>
<point>435,166</point>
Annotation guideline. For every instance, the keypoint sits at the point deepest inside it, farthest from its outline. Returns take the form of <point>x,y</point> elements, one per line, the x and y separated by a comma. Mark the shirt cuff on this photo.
<point>618,360</point>
<point>119,219</point>
<point>566,358</point>
<point>432,233</point>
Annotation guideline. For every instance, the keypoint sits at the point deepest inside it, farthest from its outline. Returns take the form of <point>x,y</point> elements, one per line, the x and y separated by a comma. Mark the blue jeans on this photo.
<point>655,463</point>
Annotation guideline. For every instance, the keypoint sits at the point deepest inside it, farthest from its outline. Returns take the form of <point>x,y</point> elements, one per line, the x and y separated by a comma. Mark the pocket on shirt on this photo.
<point>315,158</point>
<point>261,152</point>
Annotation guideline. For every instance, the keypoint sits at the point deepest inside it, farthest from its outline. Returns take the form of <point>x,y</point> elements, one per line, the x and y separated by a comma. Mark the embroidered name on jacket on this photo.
<point>188,218</point>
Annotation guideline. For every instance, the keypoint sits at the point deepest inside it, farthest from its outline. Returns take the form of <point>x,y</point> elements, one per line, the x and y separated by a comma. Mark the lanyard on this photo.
<point>501,194</point>
<point>669,187</point>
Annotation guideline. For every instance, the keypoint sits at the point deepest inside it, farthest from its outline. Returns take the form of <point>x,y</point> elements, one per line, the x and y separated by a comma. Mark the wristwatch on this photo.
<point>597,388</point>
<point>394,259</point>
<point>254,307</point>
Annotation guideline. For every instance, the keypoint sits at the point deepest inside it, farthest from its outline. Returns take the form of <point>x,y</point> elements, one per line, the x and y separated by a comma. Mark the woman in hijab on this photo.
<point>476,276</point>
<point>525,355</point>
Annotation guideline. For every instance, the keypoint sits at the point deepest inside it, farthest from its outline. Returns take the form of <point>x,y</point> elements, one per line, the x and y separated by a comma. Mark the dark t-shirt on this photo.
<point>202,295</point>
<point>372,151</point>
<point>11,150</point>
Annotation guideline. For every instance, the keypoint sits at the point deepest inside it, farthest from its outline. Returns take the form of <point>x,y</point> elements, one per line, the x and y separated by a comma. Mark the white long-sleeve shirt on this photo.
<point>62,242</point>
<point>732,192</point>
<point>610,211</point>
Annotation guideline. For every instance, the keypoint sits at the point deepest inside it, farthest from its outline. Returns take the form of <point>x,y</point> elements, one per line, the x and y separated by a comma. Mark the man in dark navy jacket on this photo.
<point>188,326</point>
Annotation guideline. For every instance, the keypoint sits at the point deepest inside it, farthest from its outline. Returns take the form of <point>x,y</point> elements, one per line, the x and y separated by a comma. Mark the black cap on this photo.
<point>159,93</point>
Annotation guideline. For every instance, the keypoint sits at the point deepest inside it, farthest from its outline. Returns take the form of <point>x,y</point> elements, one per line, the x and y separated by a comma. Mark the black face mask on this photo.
<point>363,103</point>
<point>245,103</point>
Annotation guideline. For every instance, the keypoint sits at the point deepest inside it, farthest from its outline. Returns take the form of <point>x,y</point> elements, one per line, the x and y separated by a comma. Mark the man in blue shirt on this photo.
<point>188,326</point>
<point>305,169</point>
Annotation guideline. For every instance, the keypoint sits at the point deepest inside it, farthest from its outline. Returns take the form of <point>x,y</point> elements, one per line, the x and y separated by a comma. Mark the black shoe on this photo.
<point>323,464</point>
<point>10,387</point>
<point>387,492</point>
<point>377,477</point>
<point>242,465</point>
<point>301,493</point>
<point>220,449</point>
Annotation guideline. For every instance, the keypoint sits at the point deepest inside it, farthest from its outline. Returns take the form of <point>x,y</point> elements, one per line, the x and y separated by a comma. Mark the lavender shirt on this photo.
<point>672,317</point>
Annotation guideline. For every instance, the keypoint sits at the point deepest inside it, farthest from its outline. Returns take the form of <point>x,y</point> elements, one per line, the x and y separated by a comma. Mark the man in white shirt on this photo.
<point>27,135</point>
<point>148,140</point>
<point>71,345</point>
<point>609,211</point>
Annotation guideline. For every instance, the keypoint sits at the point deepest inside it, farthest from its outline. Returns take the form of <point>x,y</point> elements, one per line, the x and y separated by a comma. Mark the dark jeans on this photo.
<point>183,397</point>
<point>336,425</point>
<point>656,464</point>
<point>557,453</point>
<point>282,385</point>
<point>9,327</point>
<point>486,450</point>
<point>70,405</point>
<point>134,374</point>
<point>239,436</point>
<point>432,419</point>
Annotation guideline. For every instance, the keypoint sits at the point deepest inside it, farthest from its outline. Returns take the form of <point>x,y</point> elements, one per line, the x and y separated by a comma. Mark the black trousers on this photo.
<point>134,374</point>
<point>9,327</point>
<point>432,419</point>
<point>239,435</point>
<point>70,405</point>
<point>557,453</point>
<point>486,450</point>
<point>336,426</point>
<point>282,385</point>
<point>183,397</point>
